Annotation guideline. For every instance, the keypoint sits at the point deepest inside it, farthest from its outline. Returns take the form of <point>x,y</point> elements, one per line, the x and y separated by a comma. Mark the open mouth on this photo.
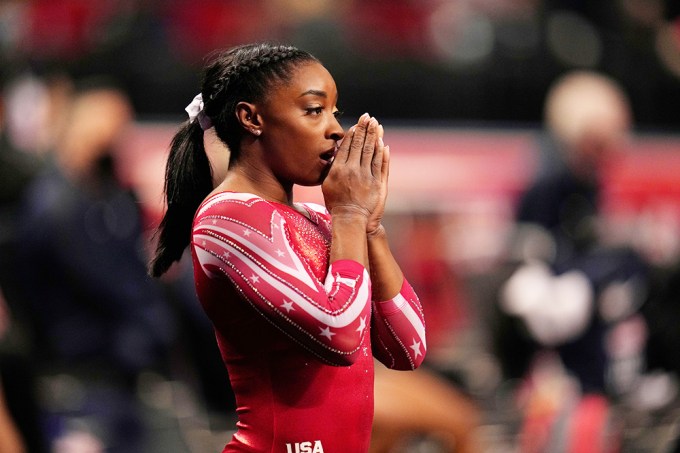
<point>329,156</point>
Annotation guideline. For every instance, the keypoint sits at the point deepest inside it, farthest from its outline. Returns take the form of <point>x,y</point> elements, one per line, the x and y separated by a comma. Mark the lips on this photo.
<point>328,156</point>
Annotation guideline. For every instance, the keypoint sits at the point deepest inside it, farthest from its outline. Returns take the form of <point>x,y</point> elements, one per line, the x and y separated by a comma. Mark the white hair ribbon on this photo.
<point>195,111</point>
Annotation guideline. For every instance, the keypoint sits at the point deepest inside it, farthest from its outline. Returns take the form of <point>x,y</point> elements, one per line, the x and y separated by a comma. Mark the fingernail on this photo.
<point>380,141</point>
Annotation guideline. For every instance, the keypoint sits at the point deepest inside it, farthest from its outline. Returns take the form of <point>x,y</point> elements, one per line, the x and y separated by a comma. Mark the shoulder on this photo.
<point>238,207</point>
<point>230,202</point>
<point>316,211</point>
<point>319,209</point>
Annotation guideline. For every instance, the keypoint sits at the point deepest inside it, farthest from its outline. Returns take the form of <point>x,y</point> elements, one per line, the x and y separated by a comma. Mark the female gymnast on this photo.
<point>302,297</point>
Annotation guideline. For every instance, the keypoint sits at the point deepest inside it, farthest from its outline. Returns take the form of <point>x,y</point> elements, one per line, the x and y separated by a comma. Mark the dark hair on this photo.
<point>243,73</point>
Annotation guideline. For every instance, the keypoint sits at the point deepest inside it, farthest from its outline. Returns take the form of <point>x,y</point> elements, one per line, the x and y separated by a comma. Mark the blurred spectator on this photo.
<point>571,293</point>
<point>478,60</point>
<point>137,43</point>
<point>99,320</point>
<point>662,311</point>
<point>18,401</point>
<point>34,106</point>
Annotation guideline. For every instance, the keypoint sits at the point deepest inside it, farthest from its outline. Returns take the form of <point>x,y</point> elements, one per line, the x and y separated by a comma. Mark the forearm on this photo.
<point>386,275</point>
<point>349,237</point>
<point>398,331</point>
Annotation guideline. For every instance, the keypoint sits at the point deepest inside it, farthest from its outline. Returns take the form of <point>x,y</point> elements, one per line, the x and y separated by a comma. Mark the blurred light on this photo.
<point>532,242</point>
<point>656,390</point>
<point>554,308</point>
<point>27,104</point>
<point>573,40</point>
<point>295,12</point>
<point>461,36</point>
<point>154,390</point>
<point>621,299</point>
<point>12,25</point>
<point>518,36</point>
<point>78,442</point>
<point>668,46</point>
<point>61,392</point>
<point>643,12</point>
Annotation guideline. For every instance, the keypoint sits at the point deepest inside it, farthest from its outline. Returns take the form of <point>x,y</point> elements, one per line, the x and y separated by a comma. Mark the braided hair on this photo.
<point>243,73</point>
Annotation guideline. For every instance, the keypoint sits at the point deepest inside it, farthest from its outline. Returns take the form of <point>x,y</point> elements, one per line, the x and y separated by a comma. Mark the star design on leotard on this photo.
<point>226,255</point>
<point>280,252</point>
<point>214,221</point>
<point>362,325</point>
<point>326,332</point>
<point>288,306</point>
<point>254,278</point>
<point>246,233</point>
<point>416,348</point>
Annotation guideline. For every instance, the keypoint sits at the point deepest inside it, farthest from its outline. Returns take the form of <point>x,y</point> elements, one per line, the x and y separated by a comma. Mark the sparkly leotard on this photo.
<point>299,342</point>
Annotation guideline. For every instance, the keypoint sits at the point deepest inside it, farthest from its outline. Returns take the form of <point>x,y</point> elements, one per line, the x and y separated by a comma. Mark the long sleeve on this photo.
<point>398,330</point>
<point>266,257</point>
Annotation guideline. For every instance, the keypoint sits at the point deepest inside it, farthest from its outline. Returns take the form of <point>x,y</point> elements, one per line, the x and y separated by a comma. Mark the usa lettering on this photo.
<point>305,447</point>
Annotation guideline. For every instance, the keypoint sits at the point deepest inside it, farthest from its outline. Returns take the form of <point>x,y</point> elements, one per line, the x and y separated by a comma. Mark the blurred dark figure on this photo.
<point>19,412</point>
<point>99,320</point>
<point>663,312</point>
<point>573,293</point>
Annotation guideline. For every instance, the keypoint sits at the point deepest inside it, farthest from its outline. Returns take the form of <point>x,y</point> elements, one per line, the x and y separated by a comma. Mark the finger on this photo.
<point>370,142</point>
<point>376,163</point>
<point>343,150</point>
<point>386,165</point>
<point>358,139</point>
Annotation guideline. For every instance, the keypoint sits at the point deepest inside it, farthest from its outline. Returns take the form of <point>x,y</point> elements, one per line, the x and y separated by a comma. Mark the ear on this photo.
<point>247,116</point>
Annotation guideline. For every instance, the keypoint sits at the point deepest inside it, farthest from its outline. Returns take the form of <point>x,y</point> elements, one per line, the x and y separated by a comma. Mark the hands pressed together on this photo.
<point>356,185</point>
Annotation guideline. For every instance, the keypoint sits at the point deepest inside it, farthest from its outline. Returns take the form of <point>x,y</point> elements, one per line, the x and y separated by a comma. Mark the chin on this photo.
<point>315,182</point>
<point>312,183</point>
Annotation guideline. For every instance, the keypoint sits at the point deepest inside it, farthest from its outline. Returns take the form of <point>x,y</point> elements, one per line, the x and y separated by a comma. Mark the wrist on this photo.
<point>350,213</point>
<point>377,233</point>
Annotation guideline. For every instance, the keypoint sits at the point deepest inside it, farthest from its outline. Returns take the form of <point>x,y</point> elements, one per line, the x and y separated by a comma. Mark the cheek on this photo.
<point>299,141</point>
<point>294,142</point>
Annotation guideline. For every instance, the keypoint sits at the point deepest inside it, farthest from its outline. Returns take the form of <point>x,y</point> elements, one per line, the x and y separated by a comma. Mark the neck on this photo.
<point>244,179</point>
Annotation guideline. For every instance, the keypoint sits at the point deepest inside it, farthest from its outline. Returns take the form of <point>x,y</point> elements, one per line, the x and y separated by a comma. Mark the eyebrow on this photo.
<point>313,92</point>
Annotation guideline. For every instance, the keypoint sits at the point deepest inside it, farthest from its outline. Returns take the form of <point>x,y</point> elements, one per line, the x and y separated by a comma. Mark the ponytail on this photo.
<point>188,180</point>
<point>242,73</point>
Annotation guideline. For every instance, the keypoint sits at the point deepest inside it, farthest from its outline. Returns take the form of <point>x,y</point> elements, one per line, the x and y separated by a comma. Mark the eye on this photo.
<point>338,113</point>
<point>314,111</point>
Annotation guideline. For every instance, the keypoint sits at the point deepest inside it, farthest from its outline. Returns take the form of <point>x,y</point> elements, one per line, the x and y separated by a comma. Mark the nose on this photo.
<point>337,133</point>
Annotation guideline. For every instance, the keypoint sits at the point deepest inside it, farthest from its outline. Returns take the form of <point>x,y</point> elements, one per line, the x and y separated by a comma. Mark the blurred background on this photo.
<point>540,226</point>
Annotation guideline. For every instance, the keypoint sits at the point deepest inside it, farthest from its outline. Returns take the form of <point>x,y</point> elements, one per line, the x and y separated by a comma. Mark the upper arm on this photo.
<point>246,240</point>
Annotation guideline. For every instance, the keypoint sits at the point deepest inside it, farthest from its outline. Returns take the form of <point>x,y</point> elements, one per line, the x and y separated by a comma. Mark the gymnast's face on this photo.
<point>299,126</point>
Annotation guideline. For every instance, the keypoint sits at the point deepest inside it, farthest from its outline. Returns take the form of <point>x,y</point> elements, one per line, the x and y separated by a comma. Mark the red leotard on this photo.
<point>299,343</point>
